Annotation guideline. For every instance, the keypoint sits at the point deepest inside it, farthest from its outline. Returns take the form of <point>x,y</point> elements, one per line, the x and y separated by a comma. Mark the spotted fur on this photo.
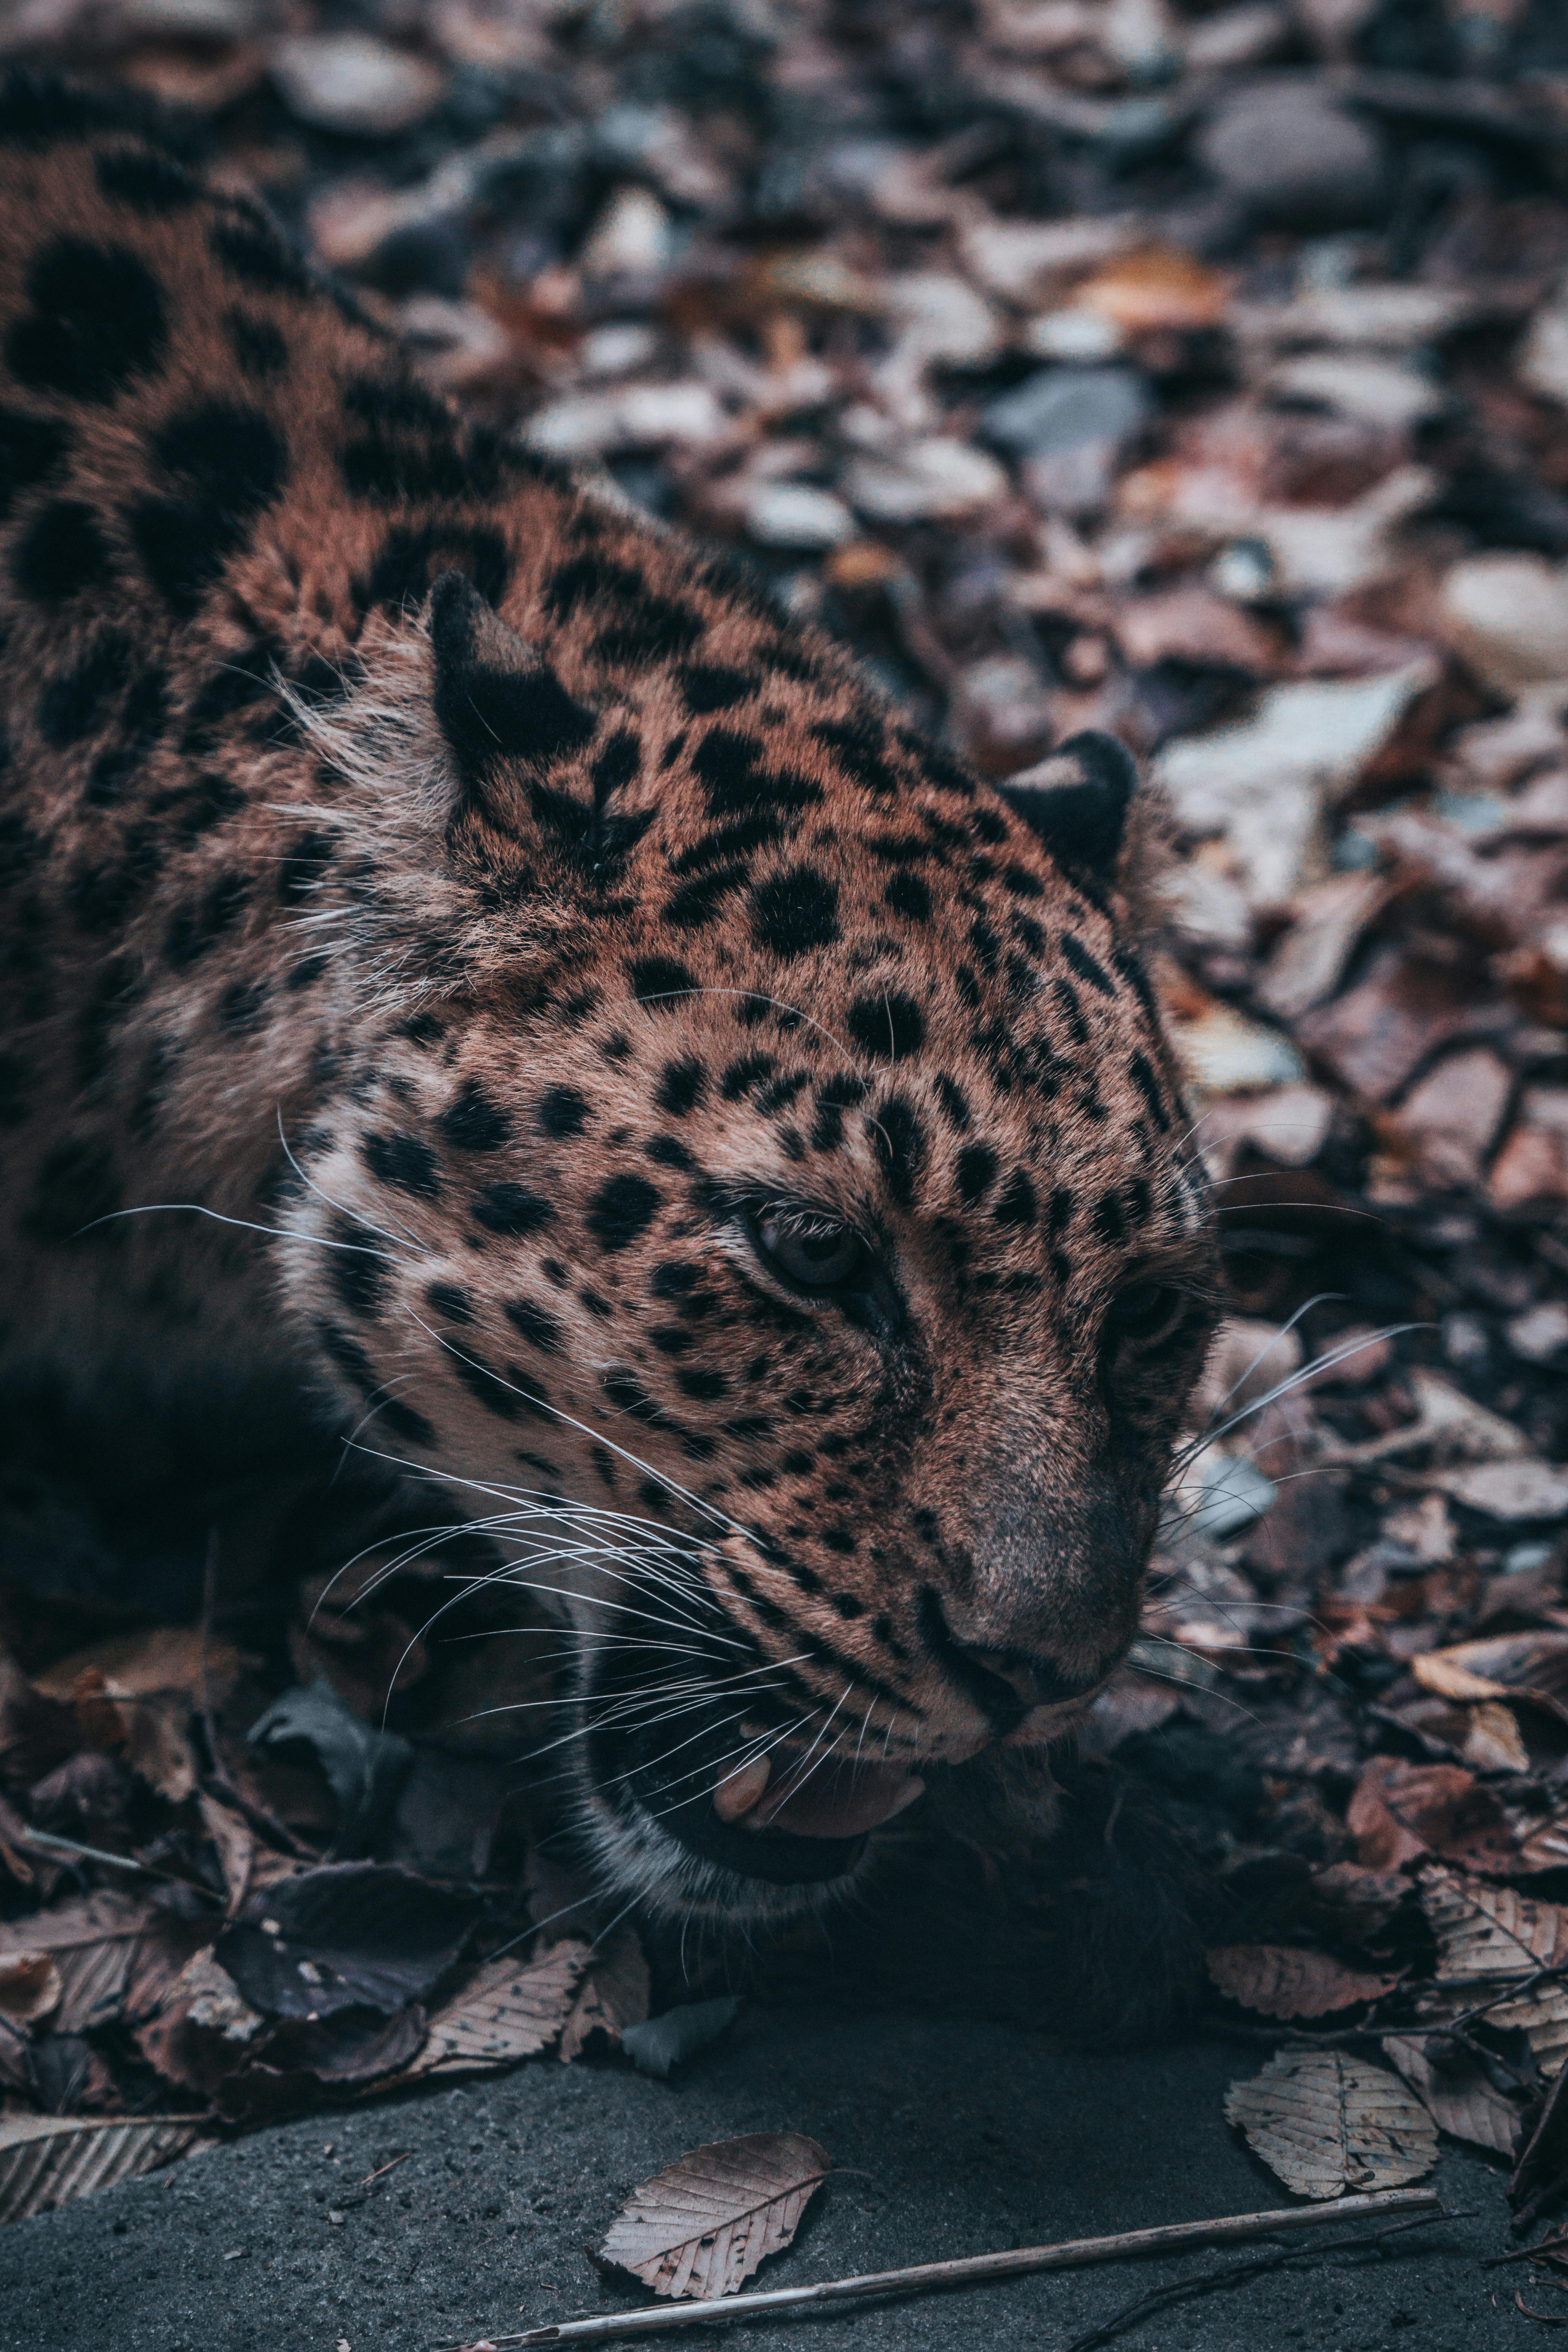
<point>444,922</point>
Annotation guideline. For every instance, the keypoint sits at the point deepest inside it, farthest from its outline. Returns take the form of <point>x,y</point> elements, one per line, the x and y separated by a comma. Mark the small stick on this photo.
<point>1173,2236</point>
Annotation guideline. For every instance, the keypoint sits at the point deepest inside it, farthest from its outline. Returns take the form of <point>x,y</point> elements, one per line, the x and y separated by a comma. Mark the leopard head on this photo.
<point>766,1202</point>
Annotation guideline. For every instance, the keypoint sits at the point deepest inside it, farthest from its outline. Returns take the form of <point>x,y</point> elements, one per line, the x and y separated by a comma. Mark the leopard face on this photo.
<point>795,1257</point>
<point>600,1055</point>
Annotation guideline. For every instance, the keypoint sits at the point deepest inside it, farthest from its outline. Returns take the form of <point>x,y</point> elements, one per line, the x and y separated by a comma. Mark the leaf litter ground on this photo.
<point>1198,372</point>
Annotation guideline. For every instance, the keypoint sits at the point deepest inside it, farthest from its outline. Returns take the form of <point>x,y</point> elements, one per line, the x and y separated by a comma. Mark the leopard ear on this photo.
<point>1077,801</point>
<point>497,701</point>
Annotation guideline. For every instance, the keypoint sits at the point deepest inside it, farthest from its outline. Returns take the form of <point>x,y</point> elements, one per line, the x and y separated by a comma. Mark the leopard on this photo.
<point>482,977</point>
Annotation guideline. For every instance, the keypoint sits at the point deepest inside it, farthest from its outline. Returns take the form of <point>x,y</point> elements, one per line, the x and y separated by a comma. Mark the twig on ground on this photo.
<point>1161,2298</point>
<point>1073,2254</point>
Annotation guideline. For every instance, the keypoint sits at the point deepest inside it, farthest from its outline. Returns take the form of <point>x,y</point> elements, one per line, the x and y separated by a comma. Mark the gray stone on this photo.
<point>1294,159</point>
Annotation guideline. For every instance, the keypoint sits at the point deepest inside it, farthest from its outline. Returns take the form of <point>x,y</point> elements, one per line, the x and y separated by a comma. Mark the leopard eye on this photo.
<point>812,1253</point>
<point>1148,1314</point>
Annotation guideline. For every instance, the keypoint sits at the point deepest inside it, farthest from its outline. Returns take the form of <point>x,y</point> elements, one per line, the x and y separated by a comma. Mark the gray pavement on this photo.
<point>970,2137</point>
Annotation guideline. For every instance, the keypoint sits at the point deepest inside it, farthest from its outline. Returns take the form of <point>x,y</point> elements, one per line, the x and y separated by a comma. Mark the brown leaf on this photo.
<point>91,1942</point>
<point>1282,1980</point>
<point>509,2009</point>
<point>30,1987</point>
<point>700,2227</point>
<point>1493,1744</point>
<point>614,1994</point>
<point>1360,1902</point>
<point>1403,1812</point>
<point>1328,2123</point>
<point>157,1743</point>
<point>1489,1931</point>
<point>135,1666</point>
<point>204,2030</point>
<point>47,2160</point>
<point>1455,2092</point>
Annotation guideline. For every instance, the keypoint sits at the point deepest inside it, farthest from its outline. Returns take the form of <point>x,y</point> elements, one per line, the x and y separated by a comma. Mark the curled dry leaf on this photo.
<point>92,1943</point>
<point>700,2227</point>
<point>47,2160</point>
<point>1456,2091</point>
<point>30,1988</point>
<point>1281,1980</point>
<point>614,1994</point>
<point>1328,2123</point>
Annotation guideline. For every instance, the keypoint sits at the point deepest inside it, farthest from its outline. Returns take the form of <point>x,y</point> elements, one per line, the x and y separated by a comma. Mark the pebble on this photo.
<point>1294,159</point>
<point>796,514</point>
<point>1507,615</point>
<point>352,83</point>
<point>933,478</point>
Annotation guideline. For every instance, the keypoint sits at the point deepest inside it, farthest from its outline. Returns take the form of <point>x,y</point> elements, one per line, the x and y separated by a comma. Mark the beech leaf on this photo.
<point>1330,2124</point>
<point>509,2009</point>
<point>1456,2093</point>
<point>1281,1980</point>
<point>47,2160</point>
<point>1489,1931</point>
<point>700,2227</point>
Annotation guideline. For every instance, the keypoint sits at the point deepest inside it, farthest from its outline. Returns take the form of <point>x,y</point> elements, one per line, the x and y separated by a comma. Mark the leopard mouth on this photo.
<point>697,1834</point>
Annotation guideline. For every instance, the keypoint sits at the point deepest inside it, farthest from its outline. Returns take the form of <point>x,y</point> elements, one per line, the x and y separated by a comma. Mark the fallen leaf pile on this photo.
<point>1199,372</point>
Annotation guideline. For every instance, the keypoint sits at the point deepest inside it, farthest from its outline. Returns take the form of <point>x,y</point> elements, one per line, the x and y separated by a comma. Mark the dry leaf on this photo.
<point>30,1987</point>
<point>613,1995</point>
<point>1328,2123</point>
<point>1489,1931</point>
<point>1402,1812</point>
<point>91,1942</point>
<point>1542,2018</point>
<point>507,2011</point>
<point>46,2160</point>
<point>1284,1982</point>
<point>203,2029</point>
<point>1455,2092</point>
<point>700,2227</point>
<point>1493,1744</point>
<point>134,1665</point>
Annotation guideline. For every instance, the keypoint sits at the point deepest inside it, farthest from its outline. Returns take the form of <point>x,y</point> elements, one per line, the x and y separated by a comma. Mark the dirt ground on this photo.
<point>962,2138</point>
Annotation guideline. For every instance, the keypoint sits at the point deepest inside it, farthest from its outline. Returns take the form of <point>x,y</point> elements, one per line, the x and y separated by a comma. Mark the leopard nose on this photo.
<point>1005,1684</point>
<point>1034,1682</point>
